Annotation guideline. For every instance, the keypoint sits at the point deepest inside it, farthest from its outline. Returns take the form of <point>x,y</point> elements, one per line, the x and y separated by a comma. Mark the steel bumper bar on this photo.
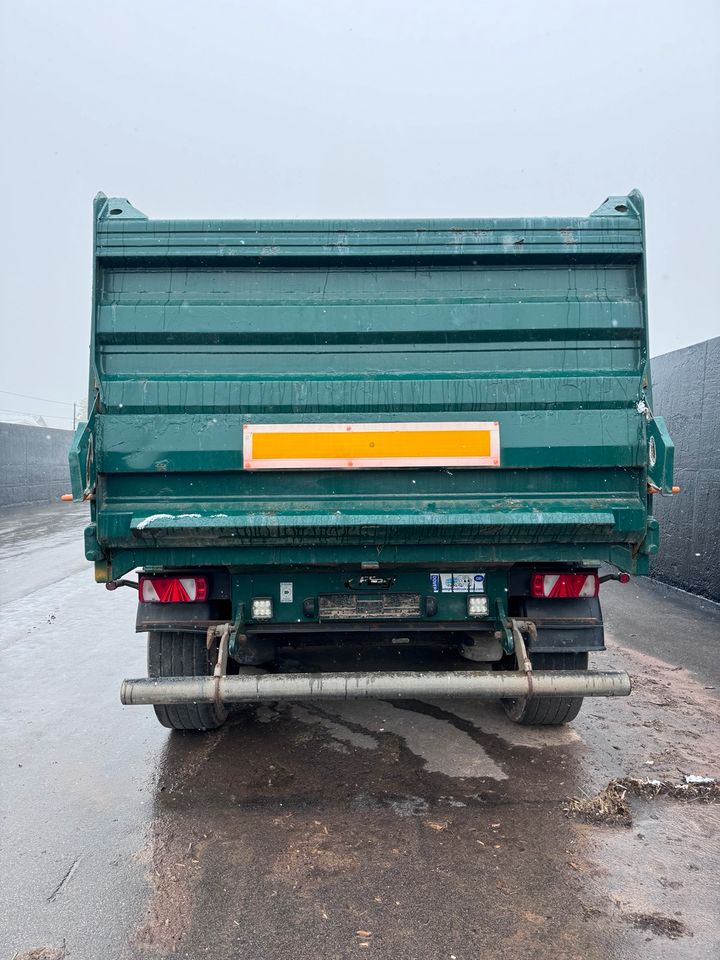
<point>479,684</point>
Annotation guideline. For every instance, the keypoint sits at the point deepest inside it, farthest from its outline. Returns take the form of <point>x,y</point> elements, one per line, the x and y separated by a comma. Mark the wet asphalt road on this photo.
<point>411,831</point>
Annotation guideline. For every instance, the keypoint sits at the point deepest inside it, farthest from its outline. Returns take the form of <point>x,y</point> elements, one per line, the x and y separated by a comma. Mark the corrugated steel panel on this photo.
<point>201,327</point>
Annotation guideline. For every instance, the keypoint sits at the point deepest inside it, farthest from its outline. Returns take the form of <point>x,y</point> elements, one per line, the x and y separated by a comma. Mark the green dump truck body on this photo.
<point>200,328</point>
<point>324,433</point>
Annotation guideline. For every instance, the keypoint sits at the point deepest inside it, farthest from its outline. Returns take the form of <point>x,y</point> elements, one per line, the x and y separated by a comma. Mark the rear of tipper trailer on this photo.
<point>370,458</point>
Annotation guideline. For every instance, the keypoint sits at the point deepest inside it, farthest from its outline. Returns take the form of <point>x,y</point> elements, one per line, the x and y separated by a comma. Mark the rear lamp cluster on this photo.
<point>191,590</point>
<point>558,585</point>
<point>172,589</point>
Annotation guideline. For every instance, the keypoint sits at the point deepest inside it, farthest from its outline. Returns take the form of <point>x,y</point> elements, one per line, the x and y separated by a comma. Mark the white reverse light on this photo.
<point>261,609</point>
<point>477,606</point>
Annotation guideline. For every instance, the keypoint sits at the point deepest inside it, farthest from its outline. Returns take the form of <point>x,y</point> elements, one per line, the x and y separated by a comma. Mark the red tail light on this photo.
<point>172,589</point>
<point>557,585</point>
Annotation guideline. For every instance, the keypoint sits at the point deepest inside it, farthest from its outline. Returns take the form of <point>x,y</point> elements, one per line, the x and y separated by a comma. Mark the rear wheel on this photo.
<point>548,711</point>
<point>184,654</point>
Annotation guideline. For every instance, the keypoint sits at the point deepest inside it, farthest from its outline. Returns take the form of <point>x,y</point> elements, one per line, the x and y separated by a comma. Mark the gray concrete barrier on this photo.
<point>33,464</point>
<point>686,392</point>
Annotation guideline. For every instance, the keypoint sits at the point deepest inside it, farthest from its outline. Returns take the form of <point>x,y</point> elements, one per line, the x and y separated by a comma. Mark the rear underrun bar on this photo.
<point>478,684</point>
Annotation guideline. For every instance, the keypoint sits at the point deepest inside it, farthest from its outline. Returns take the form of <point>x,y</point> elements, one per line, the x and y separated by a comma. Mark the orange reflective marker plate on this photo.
<point>357,446</point>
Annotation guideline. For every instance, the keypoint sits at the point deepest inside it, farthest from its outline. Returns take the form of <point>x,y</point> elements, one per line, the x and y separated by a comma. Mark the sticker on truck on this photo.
<point>357,446</point>
<point>458,582</point>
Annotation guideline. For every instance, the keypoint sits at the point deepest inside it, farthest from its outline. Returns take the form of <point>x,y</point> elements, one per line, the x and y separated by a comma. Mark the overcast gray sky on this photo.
<point>227,108</point>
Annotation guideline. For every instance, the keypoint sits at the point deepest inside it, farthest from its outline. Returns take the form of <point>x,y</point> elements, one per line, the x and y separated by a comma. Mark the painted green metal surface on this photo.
<point>202,326</point>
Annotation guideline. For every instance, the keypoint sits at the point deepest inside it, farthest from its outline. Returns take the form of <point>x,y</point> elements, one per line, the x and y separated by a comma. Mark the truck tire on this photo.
<point>548,711</point>
<point>180,654</point>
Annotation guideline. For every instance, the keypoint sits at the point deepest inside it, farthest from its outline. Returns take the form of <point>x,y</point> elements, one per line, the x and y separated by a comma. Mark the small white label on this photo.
<point>478,583</point>
<point>286,593</point>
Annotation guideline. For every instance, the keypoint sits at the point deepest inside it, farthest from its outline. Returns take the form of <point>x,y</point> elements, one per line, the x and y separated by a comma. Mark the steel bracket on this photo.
<point>220,670</point>
<point>519,627</point>
<point>508,644</point>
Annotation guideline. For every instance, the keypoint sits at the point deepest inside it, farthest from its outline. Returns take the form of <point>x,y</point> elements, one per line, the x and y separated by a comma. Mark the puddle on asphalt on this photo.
<point>492,720</point>
<point>340,733</point>
<point>427,730</point>
<point>437,742</point>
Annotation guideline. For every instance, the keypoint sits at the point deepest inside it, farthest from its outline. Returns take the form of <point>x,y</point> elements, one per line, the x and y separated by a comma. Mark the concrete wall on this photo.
<point>686,391</point>
<point>33,464</point>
